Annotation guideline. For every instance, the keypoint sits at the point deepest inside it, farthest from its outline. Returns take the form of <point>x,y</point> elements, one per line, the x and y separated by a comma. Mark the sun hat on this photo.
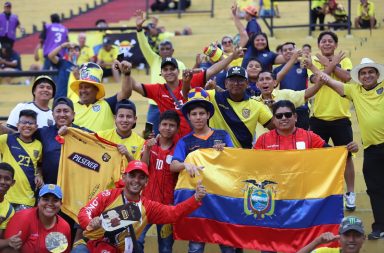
<point>90,73</point>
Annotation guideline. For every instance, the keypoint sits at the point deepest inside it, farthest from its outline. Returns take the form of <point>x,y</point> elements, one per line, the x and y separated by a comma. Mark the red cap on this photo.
<point>137,165</point>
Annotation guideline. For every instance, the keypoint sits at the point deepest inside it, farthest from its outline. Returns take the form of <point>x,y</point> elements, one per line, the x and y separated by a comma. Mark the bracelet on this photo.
<point>127,74</point>
<point>139,29</point>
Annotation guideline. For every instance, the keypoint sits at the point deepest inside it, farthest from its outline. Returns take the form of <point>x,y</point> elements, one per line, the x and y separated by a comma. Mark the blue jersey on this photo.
<point>295,79</point>
<point>191,142</point>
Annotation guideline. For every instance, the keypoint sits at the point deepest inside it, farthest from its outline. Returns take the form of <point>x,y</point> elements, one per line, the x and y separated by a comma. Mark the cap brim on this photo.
<point>185,107</point>
<point>101,90</point>
<point>237,75</point>
<point>355,228</point>
<point>355,71</point>
<point>53,193</point>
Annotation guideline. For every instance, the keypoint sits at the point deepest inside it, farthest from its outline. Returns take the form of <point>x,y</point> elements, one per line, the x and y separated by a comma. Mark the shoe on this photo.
<point>350,199</point>
<point>375,235</point>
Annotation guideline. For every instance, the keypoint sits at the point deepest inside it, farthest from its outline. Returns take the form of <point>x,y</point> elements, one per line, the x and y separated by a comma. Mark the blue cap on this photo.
<point>52,189</point>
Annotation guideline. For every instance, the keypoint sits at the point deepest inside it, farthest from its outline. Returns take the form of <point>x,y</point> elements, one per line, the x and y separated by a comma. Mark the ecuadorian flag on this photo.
<point>265,200</point>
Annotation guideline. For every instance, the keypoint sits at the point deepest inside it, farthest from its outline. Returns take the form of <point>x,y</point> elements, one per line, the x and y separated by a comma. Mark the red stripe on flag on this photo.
<point>259,238</point>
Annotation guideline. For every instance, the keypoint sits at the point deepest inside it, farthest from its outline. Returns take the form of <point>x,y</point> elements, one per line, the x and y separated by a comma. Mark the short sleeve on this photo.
<point>228,141</point>
<point>265,115</point>
<point>180,151</point>
<point>348,90</point>
<point>317,141</point>
<point>9,214</point>
<point>112,101</point>
<point>19,222</point>
<point>3,142</point>
<point>13,117</point>
<point>346,64</point>
<point>151,91</point>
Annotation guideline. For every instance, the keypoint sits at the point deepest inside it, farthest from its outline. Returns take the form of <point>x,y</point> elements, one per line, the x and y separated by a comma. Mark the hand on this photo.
<point>15,241</point>
<point>95,223</point>
<point>76,72</point>
<point>125,67</point>
<point>352,147</point>
<point>139,14</point>
<point>219,146</point>
<point>238,52</point>
<point>337,58</point>
<point>234,9</point>
<point>297,53</point>
<point>327,237</point>
<point>323,60</point>
<point>68,45</point>
<point>211,84</point>
<point>39,181</point>
<point>187,75</point>
<point>122,149</point>
<point>200,191</point>
<point>324,77</point>
<point>198,60</point>
<point>62,131</point>
<point>192,169</point>
<point>151,142</point>
<point>306,61</point>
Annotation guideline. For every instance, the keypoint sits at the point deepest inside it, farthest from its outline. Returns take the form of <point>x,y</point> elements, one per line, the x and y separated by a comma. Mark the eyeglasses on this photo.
<point>225,42</point>
<point>287,115</point>
<point>26,122</point>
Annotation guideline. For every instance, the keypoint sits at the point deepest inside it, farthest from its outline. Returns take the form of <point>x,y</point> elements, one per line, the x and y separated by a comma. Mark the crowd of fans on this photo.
<point>240,95</point>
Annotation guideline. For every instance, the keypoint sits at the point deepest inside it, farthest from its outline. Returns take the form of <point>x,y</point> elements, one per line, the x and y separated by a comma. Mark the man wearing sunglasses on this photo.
<point>287,136</point>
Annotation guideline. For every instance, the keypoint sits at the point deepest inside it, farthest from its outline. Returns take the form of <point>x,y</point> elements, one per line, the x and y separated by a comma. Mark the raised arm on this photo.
<point>219,66</point>
<point>333,66</point>
<point>128,83</point>
<point>145,48</point>
<point>53,54</point>
<point>239,26</point>
<point>284,71</point>
<point>324,238</point>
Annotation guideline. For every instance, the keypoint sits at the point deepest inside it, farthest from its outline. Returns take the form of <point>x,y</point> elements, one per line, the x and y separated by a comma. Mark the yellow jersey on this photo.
<point>95,117</point>
<point>86,54</point>
<point>327,104</point>
<point>249,111</point>
<point>108,57</point>
<point>133,143</point>
<point>23,157</point>
<point>6,213</point>
<point>326,250</point>
<point>369,106</point>
<point>88,165</point>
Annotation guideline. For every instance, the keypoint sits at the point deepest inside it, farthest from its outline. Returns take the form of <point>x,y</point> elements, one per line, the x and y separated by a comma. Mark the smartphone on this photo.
<point>148,129</point>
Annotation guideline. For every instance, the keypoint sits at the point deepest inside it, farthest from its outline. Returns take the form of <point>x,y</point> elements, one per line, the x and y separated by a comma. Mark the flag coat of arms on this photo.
<point>264,199</point>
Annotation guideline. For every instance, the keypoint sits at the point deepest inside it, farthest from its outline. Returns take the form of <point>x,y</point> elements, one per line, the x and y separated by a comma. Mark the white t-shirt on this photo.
<point>44,117</point>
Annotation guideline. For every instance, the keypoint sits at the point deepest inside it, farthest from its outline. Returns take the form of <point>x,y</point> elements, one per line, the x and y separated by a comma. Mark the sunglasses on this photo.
<point>225,42</point>
<point>287,115</point>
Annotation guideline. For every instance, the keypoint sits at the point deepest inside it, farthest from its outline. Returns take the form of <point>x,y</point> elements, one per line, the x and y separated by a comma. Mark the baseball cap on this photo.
<point>351,223</point>
<point>41,79</point>
<point>251,10</point>
<point>137,165</point>
<point>7,4</point>
<point>64,101</point>
<point>51,189</point>
<point>169,61</point>
<point>107,41</point>
<point>237,71</point>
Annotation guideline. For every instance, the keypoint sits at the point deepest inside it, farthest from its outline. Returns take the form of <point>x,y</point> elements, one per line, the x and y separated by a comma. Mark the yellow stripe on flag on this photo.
<point>299,174</point>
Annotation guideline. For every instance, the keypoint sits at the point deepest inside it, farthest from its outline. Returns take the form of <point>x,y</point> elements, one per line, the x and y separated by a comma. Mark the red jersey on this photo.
<point>33,232</point>
<point>162,181</point>
<point>151,213</point>
<point>300,139</point>
<point>159,93</point>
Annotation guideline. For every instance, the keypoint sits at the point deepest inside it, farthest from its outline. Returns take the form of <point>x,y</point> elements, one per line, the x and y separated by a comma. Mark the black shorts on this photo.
<point>365,23</point>
<point>107,72</point>
<point>340,130</point>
